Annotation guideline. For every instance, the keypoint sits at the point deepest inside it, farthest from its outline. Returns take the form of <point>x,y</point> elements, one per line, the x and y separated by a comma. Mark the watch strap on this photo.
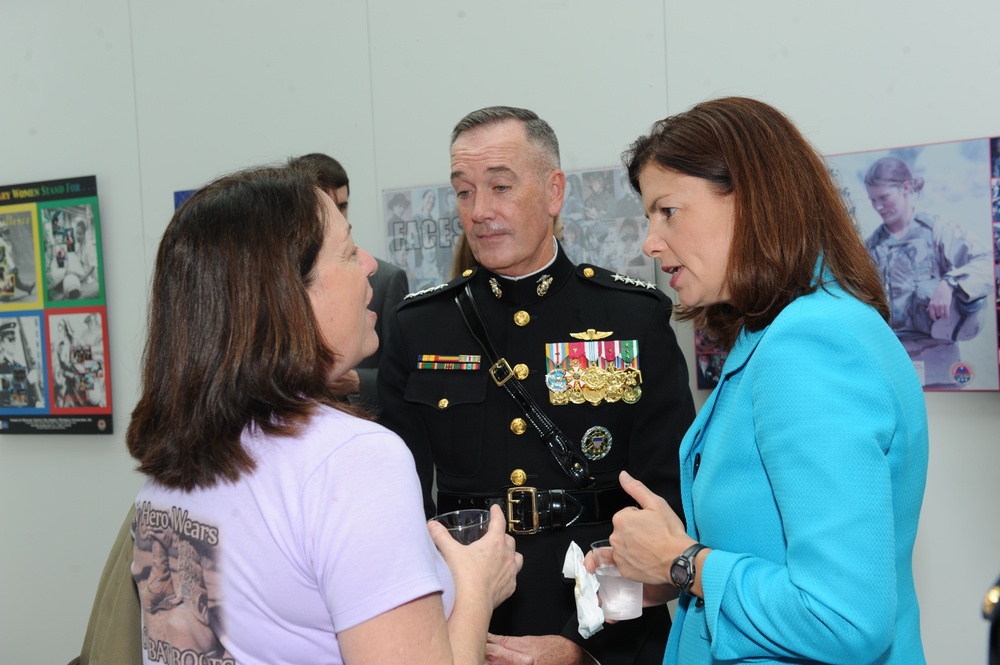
<point>686,559</point>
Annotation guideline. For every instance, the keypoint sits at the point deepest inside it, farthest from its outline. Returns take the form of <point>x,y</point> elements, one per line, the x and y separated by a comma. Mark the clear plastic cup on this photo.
<point>467,525</point>
<point>621,598</point>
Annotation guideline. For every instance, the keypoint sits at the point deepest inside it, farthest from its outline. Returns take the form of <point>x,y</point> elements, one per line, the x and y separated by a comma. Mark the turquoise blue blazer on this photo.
<point>804,472</point>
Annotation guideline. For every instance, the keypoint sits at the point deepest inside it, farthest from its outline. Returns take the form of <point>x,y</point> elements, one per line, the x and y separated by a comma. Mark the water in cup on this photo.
<point>621,598</point>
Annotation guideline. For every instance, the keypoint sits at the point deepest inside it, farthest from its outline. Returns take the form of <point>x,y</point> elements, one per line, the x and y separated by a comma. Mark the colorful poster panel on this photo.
<point>601,223</point>
<point>925,213</point>
<point>23,385</point>
<point>78,353</point>
<point>54,356</point>
<point>74,274</point>
<point>20,270</point>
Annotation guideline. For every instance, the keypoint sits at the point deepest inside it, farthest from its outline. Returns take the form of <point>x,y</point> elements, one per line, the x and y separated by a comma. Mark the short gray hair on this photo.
<point>538,131</point>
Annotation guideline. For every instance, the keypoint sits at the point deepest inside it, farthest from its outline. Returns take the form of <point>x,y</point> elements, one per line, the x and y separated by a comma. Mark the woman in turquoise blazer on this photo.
<point>803,475</point>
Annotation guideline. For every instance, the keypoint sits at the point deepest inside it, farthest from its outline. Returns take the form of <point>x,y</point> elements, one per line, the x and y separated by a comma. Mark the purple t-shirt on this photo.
<point>325,534</point>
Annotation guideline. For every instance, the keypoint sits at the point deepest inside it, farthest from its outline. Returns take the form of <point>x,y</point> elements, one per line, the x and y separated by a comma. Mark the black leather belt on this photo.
<point>530,510</point>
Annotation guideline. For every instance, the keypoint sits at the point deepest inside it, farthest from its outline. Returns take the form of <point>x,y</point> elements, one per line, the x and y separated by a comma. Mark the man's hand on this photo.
<point>534,650</point>
<point>940,305</point>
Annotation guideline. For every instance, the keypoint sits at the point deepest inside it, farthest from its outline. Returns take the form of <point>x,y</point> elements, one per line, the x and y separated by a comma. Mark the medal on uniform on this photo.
<point>594,378</point>
<point>593,370</point>
<point>495,287</point>
<point>631,391</point>
<point>596,443</point>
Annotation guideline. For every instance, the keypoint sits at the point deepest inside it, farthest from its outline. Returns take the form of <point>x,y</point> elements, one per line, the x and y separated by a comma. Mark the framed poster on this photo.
<point>54,358</point>
<point>926,215</point>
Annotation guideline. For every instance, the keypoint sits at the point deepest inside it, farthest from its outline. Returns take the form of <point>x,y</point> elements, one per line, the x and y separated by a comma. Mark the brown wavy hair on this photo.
<point>789,213</point>
<point>232,340</point>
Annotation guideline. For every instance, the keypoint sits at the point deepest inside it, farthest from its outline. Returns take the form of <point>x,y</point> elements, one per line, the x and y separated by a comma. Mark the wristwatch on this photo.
<point>682,569</point>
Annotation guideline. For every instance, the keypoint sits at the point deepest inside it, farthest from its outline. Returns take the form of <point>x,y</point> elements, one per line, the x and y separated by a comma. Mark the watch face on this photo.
<point>678,574</point>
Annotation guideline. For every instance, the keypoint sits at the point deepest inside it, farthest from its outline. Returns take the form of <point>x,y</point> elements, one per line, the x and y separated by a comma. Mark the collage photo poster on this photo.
<point>930,218</point>
<point>602,223</point>
<point>54,360</point>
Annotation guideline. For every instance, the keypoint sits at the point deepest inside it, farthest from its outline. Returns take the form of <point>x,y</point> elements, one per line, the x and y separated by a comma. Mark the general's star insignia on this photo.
<point>423,291</point>
<point>634,282</point>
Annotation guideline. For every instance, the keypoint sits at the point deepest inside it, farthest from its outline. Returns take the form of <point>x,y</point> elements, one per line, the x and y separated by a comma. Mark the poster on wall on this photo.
<point>54,360</point>
<point>601,223</point>
<point>926,215</point>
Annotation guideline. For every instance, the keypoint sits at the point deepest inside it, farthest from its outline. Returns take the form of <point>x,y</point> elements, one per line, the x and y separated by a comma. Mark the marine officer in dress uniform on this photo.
<point>592,349</point>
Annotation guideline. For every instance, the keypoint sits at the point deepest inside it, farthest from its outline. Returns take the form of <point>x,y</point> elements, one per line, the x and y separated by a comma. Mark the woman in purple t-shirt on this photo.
<point>276,522</point>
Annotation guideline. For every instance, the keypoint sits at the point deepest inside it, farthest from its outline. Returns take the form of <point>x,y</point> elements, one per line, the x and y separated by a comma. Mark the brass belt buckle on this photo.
<point>515,525</point>
<point>501,364</point>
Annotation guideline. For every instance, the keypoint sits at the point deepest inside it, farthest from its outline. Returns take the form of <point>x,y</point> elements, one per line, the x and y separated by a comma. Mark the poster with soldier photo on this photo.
<point>78,351</point>
<point>422,230</point>
<point>601,223</point>
<point>73,271</point>
<point>53,317</point>
<point>22,364</point>
<point>926,215</point>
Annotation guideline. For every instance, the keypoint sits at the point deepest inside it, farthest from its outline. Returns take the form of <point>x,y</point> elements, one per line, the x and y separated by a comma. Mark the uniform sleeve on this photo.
<point>961,257</point>
<point>399,415</point>
<point>823,415</point>
<point>368,540</point>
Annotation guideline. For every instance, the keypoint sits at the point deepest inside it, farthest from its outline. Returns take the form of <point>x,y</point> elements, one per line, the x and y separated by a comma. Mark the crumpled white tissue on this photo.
<point>589,612</point>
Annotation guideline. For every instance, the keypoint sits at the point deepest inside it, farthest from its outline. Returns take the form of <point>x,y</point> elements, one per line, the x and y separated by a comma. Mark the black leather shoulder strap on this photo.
<point>571,461</point>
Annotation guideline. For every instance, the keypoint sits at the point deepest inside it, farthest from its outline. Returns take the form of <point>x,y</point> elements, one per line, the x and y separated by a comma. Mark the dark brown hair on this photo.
<point>232,339</point>
<point>328,173</point>
<point>788,211</point>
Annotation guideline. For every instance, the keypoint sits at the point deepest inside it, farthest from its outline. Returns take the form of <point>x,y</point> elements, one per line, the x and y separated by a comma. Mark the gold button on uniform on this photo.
<point>521,371</point>
<point>518,476</point>
<point>443,404</point>
<point>521,317</point>
<point>588,272</point>
<point>518,426</point>
<point>467,272</point>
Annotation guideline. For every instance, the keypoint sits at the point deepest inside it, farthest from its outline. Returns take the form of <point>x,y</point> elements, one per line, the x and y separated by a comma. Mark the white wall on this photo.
<point>155,97</point>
